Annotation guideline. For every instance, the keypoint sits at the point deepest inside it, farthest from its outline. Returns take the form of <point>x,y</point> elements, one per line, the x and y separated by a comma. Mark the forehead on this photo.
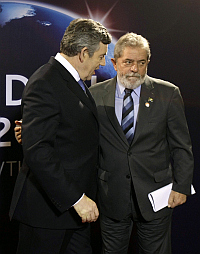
<point>134,53</point>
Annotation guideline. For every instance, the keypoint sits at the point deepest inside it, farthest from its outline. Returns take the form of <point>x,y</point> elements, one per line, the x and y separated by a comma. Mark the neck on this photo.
<point>76,63</point>
<point>70,59</point>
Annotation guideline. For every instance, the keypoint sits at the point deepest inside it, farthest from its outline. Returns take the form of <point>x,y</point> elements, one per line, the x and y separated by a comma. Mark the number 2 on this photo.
<point>5,129</point>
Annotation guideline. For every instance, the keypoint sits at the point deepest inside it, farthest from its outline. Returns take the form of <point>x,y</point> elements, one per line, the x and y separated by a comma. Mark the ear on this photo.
<point>114,63</point>
<point>83,54</point>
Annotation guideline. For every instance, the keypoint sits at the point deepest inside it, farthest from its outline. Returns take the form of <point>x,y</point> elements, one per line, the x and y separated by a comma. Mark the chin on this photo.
<point>89,78</point>
<point>134,85</point>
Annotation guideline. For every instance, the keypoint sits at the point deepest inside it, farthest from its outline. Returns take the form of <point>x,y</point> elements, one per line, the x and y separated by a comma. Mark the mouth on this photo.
<point>133,77</point>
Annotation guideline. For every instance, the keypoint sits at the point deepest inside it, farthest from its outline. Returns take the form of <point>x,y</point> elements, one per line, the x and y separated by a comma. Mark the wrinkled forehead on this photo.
<point>134,53</point>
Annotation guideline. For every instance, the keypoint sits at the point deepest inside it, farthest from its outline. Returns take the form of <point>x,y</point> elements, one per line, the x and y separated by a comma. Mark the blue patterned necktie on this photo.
<point>81,83</point>
<point>128,115</point>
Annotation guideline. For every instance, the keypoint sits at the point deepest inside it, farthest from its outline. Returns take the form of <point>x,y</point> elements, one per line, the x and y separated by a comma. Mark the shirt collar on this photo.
<point>68,66</point>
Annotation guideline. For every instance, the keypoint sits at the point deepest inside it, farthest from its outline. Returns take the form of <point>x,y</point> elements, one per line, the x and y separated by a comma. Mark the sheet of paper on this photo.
<point>159,198</point>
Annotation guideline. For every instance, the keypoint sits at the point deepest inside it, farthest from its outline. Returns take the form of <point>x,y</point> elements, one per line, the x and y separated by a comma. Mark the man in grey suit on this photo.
<point>158,154</point>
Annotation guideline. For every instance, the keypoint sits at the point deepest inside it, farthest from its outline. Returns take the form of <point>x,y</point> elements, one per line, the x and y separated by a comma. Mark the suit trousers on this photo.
<point>154,237</point>
<point>50,241</point>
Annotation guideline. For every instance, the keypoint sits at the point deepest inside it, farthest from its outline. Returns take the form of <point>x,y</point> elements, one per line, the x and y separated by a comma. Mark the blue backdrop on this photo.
<point>30,32</point>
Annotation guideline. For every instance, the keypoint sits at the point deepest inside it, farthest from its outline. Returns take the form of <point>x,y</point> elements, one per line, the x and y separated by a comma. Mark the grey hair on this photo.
<point>131,40</point>
<point>83,33</point>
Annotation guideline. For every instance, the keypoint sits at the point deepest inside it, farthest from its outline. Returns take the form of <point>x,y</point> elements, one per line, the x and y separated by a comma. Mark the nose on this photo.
<point>134,67</point>
<point>103,61</point>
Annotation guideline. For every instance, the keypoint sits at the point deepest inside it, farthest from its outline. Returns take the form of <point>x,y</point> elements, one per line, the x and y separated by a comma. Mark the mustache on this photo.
<point>133,75</point>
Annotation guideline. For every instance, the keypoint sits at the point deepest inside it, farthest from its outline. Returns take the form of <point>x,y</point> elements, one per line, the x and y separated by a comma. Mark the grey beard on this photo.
<point>127,84</point>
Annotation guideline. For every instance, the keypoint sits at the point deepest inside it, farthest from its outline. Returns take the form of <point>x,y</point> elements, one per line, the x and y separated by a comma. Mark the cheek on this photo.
<point>90,68</point>
<point>94,65</point>
<point>143,71</point>
<point>122,70</point>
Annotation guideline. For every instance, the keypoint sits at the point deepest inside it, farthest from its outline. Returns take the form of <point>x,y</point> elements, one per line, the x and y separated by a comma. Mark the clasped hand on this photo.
<point>87,209</point>
<point>18,133</point>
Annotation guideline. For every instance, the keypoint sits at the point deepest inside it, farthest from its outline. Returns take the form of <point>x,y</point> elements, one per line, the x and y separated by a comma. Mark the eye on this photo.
<point>142,63</point>
<point>128,62</point>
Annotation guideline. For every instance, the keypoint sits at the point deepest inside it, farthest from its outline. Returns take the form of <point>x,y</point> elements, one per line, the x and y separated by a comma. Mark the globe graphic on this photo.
<point>30,34</point>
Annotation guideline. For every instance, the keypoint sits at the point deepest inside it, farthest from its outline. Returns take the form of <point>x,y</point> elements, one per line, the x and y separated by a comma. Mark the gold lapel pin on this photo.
<point>150,99</point>
<point>147,104</point>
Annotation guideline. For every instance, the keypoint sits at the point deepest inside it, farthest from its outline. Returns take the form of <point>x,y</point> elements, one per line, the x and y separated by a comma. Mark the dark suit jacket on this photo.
<point>60,136</point>
<point>161,136</point>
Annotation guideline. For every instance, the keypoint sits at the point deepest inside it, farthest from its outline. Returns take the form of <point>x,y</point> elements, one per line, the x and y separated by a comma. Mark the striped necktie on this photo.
<point>128,115</point>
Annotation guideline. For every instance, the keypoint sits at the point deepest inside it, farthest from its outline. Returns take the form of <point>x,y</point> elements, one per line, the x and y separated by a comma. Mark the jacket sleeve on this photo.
<point>180,145</point>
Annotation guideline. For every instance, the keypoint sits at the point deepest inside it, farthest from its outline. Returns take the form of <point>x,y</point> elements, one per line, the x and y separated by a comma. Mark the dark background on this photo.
<point>173,30</point>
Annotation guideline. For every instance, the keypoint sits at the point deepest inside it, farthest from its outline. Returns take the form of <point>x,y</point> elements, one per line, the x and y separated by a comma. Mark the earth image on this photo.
<point>30,34</point>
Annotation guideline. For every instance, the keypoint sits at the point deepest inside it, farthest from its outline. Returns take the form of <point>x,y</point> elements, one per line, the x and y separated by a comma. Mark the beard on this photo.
<point>132,80</point>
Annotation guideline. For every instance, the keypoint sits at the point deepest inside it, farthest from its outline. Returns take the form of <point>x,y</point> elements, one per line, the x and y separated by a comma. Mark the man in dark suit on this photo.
<point>131,168</point>
<point>55,191</point>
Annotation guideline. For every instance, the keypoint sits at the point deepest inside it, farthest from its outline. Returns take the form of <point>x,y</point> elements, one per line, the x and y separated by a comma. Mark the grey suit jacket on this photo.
<point>159,154</point>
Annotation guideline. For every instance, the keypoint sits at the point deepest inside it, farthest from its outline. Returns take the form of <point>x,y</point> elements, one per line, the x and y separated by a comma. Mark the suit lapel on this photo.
<point>75,87</point>
<point>109,104</point>
<point>145,107</point>
<point>87,100</point>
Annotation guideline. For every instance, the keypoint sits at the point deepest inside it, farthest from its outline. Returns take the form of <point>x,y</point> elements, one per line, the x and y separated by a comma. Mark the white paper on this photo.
<point>159,198</point>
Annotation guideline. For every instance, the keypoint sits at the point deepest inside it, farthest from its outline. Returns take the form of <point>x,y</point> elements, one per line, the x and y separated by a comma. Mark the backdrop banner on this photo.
<point>31,31</point>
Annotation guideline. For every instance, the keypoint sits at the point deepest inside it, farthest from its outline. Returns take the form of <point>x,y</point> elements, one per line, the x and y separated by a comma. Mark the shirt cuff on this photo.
<point>79,199</point>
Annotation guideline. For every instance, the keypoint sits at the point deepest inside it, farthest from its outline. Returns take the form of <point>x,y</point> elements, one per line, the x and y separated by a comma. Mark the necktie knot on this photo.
<point>128,91</point>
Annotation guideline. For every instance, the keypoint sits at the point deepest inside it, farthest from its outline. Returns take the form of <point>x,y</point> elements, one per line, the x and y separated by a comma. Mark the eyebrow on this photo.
<point>132,60</point>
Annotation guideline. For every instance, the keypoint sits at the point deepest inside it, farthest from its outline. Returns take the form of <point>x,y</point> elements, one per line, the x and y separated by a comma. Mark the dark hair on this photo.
<point>83,33</point>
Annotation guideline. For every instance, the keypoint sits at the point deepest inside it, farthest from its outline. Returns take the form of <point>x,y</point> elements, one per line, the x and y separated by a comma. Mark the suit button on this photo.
<point>129,153</point>
<point>128,176</point>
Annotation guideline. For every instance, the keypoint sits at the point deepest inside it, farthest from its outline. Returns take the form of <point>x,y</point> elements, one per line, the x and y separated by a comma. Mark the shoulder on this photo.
<point>51,70</point>
<point>51,73</point>
<point>161,84</point>
<point>102,85</point>
<point>162,89</point>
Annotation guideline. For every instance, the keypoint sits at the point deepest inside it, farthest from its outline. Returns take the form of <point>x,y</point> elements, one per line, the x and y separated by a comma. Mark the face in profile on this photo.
<point>92,63</point>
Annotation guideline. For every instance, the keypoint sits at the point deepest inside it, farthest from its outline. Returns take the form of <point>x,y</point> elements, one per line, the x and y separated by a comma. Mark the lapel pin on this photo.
<point>150,99</point>
<point>147,104</point>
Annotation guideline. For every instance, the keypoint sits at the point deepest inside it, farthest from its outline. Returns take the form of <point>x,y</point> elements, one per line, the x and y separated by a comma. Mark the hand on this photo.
<point>87,209</point>
<point>18,131</point>
<point>176,199</point>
